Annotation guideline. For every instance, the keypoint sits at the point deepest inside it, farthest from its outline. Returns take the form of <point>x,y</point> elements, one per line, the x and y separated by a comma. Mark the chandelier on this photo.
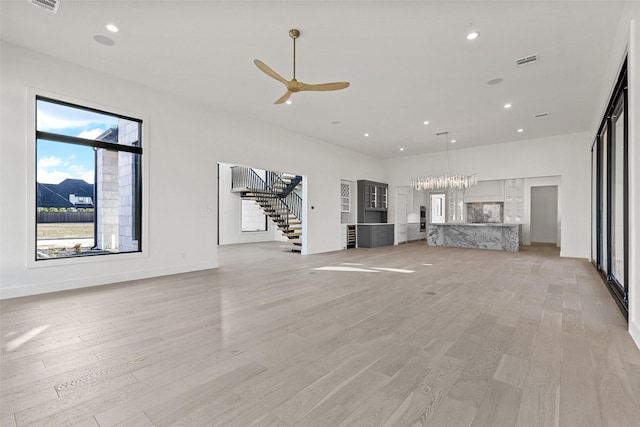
<point>447,181</point>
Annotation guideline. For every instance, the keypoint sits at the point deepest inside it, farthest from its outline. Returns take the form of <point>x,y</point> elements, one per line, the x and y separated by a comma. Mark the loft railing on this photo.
<point>244,177</point>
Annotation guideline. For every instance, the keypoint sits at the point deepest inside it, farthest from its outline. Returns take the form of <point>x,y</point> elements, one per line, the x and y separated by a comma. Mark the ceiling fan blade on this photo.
<point>284,97</point>
<point>323,86</point>
<point>268,71</point>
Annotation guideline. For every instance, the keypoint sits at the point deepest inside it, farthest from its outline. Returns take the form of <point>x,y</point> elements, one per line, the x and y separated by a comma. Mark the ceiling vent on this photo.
<point>50,5</point>
<point>527,60</point>
<point>539,115</point>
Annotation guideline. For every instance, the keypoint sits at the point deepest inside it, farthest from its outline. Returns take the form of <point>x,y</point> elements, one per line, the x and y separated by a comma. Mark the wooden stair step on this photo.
<point>291,222</point>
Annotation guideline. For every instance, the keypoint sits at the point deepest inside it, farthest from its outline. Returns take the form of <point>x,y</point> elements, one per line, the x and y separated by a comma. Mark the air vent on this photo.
<point>537,116</point>
<point>527,60</point>
<point>50,5</point>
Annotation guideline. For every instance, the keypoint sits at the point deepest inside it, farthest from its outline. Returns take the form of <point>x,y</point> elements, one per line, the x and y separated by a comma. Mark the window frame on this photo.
<point>604,182</point>
<point>266,217</point>
<point>30,180</point>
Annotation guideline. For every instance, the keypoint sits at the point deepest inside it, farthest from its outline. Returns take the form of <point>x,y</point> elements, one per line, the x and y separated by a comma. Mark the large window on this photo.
<point>253,218</point>
<point>611,207</point>
<point>88,181</point>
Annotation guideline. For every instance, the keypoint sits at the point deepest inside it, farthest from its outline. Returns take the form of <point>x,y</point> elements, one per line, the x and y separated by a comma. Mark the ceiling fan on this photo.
<point>294,85</point>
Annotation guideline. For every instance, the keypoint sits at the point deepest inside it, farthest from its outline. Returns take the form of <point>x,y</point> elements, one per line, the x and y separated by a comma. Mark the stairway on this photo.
<point>277,198</point>
<point>281,216</point>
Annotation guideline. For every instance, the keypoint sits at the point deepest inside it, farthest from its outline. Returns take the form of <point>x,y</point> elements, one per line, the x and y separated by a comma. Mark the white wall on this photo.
<point>627,42</point>
<point>566,156</point>
<point>634,178</point>
<point>183,144</point>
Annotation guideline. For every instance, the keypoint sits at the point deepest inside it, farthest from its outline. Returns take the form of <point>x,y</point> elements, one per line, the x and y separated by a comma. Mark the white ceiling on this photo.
<point>407,61</point>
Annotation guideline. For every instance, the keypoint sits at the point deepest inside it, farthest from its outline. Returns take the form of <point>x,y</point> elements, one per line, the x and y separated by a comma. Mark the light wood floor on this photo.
<point>469,338</point>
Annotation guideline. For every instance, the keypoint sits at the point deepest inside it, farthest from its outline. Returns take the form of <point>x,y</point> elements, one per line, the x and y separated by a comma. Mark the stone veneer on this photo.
<point>505,237</point>
<point>115,187</point>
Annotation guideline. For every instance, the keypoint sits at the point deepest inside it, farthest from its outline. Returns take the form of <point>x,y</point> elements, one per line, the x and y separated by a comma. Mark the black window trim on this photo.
<point>618,98</point>
<point>134,149</point>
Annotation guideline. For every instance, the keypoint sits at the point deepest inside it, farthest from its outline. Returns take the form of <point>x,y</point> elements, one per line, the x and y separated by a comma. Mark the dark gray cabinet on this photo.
<point>374,235</point>
<point>372,201</point>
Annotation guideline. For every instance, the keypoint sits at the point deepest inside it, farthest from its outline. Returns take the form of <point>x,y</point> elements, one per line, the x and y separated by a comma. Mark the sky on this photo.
<point>58,161</point>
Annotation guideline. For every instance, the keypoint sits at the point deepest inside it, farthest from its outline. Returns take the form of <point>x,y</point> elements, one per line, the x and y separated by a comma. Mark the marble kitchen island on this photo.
<point>497,236</point>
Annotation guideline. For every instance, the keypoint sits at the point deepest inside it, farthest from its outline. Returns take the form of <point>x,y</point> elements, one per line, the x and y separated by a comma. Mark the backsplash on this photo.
<point>485,212</point>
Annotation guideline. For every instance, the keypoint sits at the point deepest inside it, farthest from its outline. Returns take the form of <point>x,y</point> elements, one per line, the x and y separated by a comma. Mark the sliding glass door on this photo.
<point>618,193</point>
<point>611,205</point>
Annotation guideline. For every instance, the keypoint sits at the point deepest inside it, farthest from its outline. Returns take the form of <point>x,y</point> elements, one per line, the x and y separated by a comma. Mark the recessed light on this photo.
<point>473,35</point>
<point>366,134</point>
<point>507,106</point>
<point>495,81</point>
<point>103,40</point>
<point>112,28</point>
<point>288,102</point>
<point>402,149</point>
<point>520,130</point>
<point>453,141</point>
<point>426,122</point>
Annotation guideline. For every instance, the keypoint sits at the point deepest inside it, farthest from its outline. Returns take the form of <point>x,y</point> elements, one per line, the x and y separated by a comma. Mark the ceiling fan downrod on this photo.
<point>294,34</point>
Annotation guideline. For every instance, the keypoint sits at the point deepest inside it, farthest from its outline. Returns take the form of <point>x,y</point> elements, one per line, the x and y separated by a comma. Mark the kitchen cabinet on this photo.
<point>345,197</point>
<point>372,202</point>
<point>413,231</point>
<point>374,235</point>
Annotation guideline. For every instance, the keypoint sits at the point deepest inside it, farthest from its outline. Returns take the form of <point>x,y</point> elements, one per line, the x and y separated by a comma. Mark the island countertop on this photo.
<point>497,236</point>
<point>476,224</point>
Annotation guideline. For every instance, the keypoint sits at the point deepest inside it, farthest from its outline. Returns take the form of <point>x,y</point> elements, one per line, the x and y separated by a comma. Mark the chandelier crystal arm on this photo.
<point>443,182</point>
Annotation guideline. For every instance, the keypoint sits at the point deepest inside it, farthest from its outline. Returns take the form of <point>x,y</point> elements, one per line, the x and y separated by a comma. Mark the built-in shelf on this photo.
<point>372,202</point>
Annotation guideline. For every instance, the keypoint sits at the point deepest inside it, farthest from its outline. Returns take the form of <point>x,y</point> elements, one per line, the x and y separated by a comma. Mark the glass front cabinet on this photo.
<point>372,202</point>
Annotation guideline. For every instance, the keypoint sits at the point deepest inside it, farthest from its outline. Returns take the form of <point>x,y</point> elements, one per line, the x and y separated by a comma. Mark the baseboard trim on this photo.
<point>634,331</point>
<point>60,286</point>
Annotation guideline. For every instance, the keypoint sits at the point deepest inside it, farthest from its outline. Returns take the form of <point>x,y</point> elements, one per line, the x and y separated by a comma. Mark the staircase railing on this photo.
<point>274,179</point>
<point>245,177</point>
<point>290,199</point>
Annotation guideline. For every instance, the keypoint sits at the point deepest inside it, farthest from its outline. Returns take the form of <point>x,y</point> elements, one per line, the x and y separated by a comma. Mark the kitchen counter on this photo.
<point>372,235</point>
<point>477,224</point>
<point>496,236</point>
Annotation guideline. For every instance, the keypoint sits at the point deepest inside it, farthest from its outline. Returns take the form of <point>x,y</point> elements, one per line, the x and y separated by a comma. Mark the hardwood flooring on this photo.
<point>395,336</point>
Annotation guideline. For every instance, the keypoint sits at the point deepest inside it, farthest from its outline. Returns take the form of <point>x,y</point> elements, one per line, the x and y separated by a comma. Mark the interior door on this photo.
<point>544,214</point>
<point>402,200</point>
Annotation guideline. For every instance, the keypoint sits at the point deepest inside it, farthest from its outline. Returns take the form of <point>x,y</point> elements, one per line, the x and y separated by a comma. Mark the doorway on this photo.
<point>544,215</point>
